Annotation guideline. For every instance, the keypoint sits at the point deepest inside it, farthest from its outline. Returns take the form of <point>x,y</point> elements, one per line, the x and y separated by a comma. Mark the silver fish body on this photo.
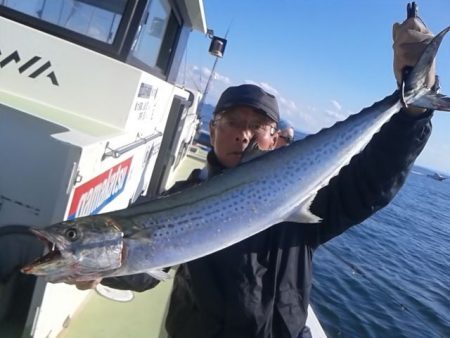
<point>277,186</point>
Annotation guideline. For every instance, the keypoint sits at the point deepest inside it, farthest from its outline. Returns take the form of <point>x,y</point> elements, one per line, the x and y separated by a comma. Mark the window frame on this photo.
<point>155,70</point>
<point>120,48</point>
<point>117,49</point>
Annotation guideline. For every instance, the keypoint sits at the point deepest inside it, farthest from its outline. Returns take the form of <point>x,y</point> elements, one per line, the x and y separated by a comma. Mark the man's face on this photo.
<point>231,132</point>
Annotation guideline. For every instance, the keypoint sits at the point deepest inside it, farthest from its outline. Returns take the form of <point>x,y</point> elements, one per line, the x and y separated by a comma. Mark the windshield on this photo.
<point>98,19</point>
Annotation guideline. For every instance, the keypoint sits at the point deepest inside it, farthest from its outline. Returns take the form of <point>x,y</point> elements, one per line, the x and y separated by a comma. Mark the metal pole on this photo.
<point>205,92</point>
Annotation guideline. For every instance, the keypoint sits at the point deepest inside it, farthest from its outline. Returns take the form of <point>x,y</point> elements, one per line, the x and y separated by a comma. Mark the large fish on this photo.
<point>227,208</point>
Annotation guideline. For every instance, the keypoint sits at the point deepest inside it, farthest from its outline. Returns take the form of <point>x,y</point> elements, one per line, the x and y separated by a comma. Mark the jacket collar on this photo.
<point>213,166</point>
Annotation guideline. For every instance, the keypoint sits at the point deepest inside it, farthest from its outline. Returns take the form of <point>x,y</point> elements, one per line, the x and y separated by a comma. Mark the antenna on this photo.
<point>216,48</point>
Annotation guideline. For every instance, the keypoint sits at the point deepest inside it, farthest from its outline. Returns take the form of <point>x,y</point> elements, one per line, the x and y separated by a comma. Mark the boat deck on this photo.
<point>100,317</point>
<point>143,316</point>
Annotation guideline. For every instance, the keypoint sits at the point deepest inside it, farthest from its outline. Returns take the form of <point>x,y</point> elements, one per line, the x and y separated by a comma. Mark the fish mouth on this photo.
<point>51,253</point>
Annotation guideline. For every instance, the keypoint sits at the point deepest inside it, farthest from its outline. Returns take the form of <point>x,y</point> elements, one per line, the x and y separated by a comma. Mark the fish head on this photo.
<point>82,249</point>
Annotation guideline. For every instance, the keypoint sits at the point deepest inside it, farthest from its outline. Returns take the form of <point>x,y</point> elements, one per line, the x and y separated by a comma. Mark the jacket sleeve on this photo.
<point>371,179</point>
<point>138,282</point>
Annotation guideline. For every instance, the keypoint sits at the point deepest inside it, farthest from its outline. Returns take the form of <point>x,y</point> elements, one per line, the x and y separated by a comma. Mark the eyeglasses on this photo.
<point>257,127</point>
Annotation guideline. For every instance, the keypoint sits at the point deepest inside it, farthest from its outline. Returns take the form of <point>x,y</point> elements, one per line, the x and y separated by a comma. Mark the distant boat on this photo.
<point>437,177</point>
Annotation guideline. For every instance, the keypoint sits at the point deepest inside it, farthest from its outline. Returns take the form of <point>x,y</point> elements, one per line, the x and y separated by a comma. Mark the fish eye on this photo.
<point>71,234</point>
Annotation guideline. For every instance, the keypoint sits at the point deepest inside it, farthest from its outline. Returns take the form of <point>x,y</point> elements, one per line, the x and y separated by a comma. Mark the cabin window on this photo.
<point>97,19</point>
<point>156,38</point>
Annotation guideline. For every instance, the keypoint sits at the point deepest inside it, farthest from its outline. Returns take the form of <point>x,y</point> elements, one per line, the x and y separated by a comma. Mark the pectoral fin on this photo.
<point>303,214</point>
<point>159,274</point>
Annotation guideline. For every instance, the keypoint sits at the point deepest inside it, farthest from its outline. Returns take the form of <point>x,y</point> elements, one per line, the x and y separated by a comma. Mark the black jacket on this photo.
<point>260,287</point>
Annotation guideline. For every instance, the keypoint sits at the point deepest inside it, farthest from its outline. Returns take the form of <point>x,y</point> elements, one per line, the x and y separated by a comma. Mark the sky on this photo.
<point>324,60</point>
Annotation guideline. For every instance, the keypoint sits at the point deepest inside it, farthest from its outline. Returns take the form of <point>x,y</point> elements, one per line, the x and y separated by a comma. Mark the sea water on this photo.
<point>390,276</point>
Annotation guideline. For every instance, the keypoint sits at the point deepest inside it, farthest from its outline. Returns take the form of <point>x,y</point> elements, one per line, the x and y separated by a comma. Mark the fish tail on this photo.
<point>415,82</point>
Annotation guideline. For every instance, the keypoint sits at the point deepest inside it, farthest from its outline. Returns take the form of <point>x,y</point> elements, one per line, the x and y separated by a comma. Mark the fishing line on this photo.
<point>365,275</point>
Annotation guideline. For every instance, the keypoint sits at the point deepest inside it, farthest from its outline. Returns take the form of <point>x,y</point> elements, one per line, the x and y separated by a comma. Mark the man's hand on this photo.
<point>410,39</point>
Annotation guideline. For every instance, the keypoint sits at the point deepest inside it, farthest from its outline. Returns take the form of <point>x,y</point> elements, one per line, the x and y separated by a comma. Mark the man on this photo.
<point>16,289</point>
<point>285,137</point>
<point>260,287</point>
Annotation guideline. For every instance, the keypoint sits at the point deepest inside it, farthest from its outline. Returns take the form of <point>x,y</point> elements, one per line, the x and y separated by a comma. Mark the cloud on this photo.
<point>332,114</point>
<point>205,73</point>
<point>221,78</point>
<point>336,113</point>
<point>196,77</point>
<point>435,156</point>
<point>306,118</point>
<point>336,104</point>
<point>268,88</point>
<point>264,85</point>
<point>289,104</point>
<point>302,116</point>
